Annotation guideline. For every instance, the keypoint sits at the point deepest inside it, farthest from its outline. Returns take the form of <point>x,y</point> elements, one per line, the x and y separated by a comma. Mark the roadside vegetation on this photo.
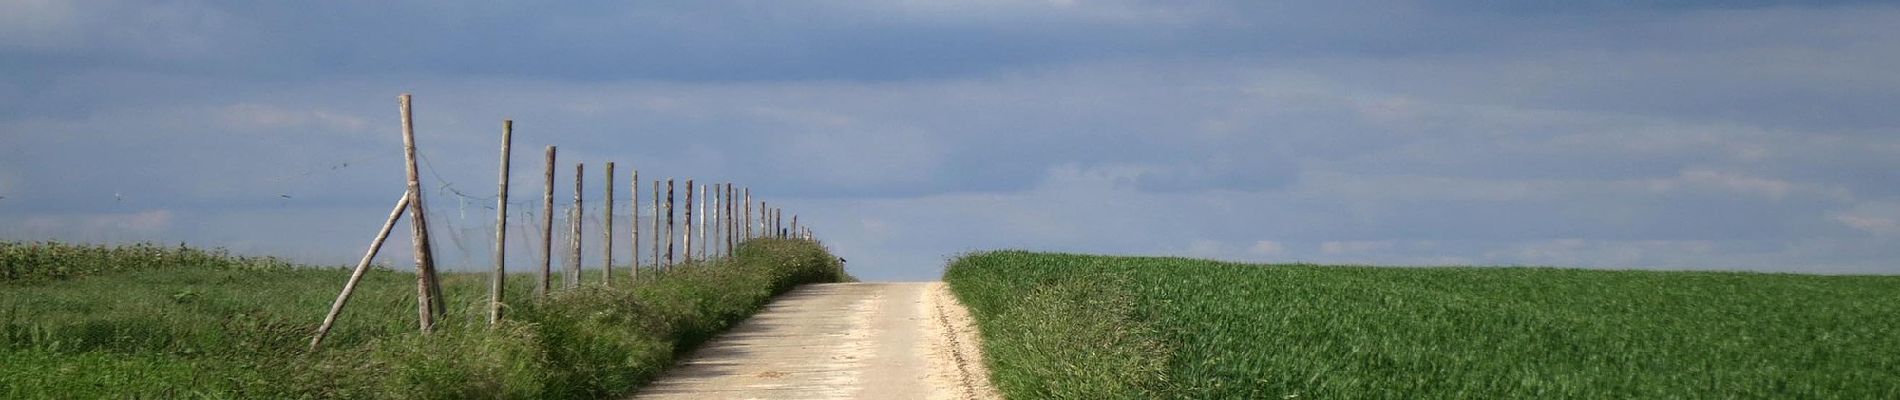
<point>157,322</point>
<point>1065,326</point>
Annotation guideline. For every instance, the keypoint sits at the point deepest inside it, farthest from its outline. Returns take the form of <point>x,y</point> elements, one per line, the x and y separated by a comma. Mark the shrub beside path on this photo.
<point>840,341</point>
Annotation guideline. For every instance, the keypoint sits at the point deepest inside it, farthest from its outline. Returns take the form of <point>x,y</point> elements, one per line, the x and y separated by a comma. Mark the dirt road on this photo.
<point>840,341</point>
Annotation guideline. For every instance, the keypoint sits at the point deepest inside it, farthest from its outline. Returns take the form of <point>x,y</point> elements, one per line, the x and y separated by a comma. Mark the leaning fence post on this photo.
<point>426,301</point>
<point>343,298</point>
<point>501,227</point>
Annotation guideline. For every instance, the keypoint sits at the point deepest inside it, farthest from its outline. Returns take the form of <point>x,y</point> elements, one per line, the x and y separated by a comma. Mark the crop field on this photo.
<point>152,322</point>
<point>1096,327</point>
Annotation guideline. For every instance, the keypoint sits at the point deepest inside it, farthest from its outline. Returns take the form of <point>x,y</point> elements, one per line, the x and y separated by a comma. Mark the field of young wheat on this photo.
<point>1096,327</point>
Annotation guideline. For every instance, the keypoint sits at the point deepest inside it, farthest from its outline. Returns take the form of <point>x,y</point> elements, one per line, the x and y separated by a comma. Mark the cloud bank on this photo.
<point>1675,135</point>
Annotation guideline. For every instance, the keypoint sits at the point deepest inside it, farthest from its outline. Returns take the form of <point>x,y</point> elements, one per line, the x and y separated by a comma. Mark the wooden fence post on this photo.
<point>732,226</point>
<point>748,213</point>
<point>725,219</point>
<point>501,227</point>
<point>547,229</point>
<point>657,234</point>
<point>343,298</point>
<point>419,223</point>
<point>702,223</point>
<point>669,224</point>
<point>607,232</point>
<point>574,269</point>
<point>633,241</point>
<point>688,240</point>
<point>725,223</point>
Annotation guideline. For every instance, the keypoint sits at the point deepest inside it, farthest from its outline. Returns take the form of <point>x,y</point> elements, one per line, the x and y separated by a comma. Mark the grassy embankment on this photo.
<point>145,321</point>
<point>1094,327</point>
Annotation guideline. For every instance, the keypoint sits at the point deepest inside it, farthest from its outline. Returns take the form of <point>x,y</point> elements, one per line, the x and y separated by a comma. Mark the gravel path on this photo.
<point>840,341</point>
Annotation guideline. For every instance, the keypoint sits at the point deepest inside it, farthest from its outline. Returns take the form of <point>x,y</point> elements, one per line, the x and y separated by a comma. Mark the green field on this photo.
<point>1095,327</point>
<point>153,322</point>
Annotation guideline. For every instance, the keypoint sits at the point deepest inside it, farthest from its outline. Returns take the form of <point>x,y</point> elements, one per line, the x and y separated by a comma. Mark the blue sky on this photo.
<point>1674,135</point>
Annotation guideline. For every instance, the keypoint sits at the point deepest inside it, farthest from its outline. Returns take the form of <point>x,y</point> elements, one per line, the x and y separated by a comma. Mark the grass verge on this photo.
<point>235,327</point>
<point>1095,327</point>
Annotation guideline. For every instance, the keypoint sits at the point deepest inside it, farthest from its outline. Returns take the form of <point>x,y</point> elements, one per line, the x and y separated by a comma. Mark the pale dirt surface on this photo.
<point>956,351</point>
<point>840,341</point>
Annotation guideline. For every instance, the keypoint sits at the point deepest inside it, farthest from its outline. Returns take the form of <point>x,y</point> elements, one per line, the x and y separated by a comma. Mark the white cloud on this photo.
<point>1076,177</point>
<point>1041,11</point>
<point>1771,188</point>
<point>1606,253</point>
<point>1266,248</point>
<point>1866,223</point>
<point>96,226</point>
<point>256,117</point>
<point>118,30</point>
<point>1354,246</point>
<point>860,156</point>
<point>1207,248</point>
<point>1880,218</point>
<point>39,24</point>
<point>874,226</point>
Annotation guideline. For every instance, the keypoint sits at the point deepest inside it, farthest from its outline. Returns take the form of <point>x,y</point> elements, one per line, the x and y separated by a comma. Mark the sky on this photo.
<point>1678,135</point>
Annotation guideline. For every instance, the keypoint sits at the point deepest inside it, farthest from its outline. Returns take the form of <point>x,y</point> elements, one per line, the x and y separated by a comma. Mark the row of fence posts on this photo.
<point>731,212</point>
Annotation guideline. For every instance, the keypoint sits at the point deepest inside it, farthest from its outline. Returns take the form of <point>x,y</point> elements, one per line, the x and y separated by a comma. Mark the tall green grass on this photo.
<point>1094,327</point>
<point>211,325</point>
<point>26,262</point>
